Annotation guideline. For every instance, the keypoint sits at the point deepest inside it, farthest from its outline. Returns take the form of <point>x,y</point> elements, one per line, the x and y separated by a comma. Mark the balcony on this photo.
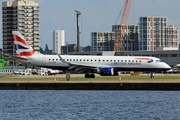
<point>36,24</point>
<point>35,32</point>
<point>36,8</point>
<point>36,16</point>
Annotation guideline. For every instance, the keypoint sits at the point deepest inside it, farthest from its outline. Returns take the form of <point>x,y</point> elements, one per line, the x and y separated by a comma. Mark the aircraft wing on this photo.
<point>79,67</point>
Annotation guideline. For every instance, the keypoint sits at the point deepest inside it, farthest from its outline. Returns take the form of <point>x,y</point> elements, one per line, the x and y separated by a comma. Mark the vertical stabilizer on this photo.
<point>22,46</point>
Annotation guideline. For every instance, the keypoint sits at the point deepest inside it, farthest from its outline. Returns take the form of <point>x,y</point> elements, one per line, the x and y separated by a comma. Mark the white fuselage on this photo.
<point>119,63</point>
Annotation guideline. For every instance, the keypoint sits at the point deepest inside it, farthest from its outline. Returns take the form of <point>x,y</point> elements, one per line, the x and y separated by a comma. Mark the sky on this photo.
<point>96,16</point>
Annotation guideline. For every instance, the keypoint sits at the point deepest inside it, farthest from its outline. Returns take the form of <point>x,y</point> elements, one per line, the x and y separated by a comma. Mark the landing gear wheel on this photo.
<point>92,76</point>
<point>87,76</point>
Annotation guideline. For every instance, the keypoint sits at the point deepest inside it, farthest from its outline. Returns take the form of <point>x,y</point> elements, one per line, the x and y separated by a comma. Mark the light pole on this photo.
<point>131,45</point>
<point>77,15</point>
<point>67,48</point>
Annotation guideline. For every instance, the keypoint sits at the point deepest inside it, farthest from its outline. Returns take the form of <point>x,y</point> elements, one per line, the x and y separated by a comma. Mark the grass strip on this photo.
<point>98,78</point>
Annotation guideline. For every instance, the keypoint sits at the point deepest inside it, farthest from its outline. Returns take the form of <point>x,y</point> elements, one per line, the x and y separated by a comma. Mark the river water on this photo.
<point>89,105</point>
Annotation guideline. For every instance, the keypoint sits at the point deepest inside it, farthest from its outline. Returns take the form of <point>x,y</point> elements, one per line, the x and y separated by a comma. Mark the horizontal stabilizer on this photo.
<point>16,57</point>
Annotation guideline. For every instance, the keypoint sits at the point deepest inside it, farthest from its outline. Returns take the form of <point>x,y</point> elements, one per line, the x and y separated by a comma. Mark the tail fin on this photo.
<point>22,46</point>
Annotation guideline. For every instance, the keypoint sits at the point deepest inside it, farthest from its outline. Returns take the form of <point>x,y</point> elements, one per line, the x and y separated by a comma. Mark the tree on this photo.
<point>46,48</point>
<point>41,50</point>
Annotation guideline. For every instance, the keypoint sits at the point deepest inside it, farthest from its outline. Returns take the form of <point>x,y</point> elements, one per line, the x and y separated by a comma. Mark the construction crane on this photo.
<point>122,26</point>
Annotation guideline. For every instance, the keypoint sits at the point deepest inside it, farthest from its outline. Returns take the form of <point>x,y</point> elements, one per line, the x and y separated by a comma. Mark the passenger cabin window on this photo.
<point>107,60</point>
<point>56,59</point>
<point>49,59</point>
<point>70,59</point>
<point>67,59</point>
<point>91,60</point>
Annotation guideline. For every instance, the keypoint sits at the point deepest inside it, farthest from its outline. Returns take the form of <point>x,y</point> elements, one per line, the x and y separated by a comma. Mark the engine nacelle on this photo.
<point>106,71</point>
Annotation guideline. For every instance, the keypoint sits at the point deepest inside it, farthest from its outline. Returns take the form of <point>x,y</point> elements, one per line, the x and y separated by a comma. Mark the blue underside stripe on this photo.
<point>116,69</point>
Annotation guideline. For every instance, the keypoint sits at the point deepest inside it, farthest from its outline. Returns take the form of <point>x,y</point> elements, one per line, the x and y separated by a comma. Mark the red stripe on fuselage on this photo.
<point>144,58</point>
<point>27,54</point>
<point>17,38</point>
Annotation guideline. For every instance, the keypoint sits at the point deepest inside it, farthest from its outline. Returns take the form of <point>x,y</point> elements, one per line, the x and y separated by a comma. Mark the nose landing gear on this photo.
<point>152,76</point>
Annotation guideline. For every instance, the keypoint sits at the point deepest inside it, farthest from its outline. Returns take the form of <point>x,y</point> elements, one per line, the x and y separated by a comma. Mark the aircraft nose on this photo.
<point>167,67</point>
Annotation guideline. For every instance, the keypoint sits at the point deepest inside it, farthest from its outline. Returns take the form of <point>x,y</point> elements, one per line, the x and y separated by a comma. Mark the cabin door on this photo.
<point>43,60</point>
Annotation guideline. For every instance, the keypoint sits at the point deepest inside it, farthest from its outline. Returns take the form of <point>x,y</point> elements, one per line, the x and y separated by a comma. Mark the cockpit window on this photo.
<point>159,61</point>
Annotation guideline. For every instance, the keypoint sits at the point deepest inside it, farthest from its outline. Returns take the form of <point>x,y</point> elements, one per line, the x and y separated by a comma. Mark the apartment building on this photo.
<point>22,16</point>
<point>154,33</point>
<point>102,41</point>
<point>58,40</point>
<point>130,40</point>
<point>172,36</point>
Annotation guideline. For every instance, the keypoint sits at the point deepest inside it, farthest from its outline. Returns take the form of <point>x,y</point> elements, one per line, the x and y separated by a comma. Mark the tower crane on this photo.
<point>122,26</point>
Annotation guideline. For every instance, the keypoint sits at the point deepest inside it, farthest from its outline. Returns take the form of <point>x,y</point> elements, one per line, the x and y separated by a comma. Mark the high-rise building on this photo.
<point>58,40</point>
<point>22,16</point>
<point>130,40</point>
<point>102,41</point>
<point>154,33</point>
<point>172,36</point>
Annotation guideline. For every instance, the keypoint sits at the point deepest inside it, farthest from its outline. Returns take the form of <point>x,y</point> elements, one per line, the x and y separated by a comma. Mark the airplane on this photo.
<point>103,65</point>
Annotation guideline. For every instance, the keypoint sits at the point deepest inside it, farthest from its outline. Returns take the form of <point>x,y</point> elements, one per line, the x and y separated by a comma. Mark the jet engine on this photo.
<point>105,71</point>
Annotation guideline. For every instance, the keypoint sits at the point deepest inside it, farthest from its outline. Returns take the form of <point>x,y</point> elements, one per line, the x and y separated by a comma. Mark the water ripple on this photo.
<point>89,105</point>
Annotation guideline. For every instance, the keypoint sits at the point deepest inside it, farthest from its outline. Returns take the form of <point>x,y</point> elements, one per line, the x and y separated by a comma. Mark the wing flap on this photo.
<point>79,66</point>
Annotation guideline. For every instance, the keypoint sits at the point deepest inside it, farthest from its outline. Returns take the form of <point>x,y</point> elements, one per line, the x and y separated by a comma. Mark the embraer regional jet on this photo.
<point>103,65</point>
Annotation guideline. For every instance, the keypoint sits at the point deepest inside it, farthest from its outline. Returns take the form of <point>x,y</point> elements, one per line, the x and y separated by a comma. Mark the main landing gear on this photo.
<point>151,73</point>
<point>89,75</point>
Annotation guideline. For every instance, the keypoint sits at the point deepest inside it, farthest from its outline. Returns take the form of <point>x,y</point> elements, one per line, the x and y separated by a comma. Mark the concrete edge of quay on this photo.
<point>90,86</point>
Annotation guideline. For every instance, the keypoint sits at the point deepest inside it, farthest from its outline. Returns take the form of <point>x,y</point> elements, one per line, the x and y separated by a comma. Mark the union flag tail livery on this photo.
<point>23,49</point>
